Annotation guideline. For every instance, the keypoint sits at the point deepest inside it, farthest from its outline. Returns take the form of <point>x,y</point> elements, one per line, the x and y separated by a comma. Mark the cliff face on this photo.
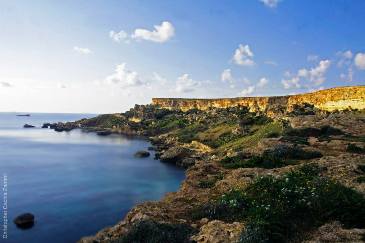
<point>331,99</point>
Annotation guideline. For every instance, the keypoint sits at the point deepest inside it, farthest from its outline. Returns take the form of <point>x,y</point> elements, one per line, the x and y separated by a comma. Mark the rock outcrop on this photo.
<point>341,98</point>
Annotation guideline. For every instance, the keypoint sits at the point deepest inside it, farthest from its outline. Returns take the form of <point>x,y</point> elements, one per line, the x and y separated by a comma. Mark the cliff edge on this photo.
<point>340,98</point>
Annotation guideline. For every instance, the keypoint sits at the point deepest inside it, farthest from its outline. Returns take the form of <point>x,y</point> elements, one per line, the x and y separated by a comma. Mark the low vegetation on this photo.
<point>210,182</point>
<point>263,131</point>
<point>276,209</point>
<point>272,158</point>
<point>353,148</point>
<point>155,232</point>
<point>324,131</point>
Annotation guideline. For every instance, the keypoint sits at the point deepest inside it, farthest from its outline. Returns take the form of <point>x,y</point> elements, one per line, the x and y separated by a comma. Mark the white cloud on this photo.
<point>243,56</point>
<point>272,63</point>
<point>184,84</point>
<point>5,84</point>
<point>82,50</point>
<point>349,76</point>
<point>345,58</point>
<point>291,83</point>
<point>157,77</point>
<point>249,90</point>
<point>226,76</point>
<point>119,36</point>
<point>125,77</point>
<point>360,61</point>
<point>270,3</point>
<point>262,82</point>
<point>161,33</point>
<point>315,75</point>
<point>312,58</point>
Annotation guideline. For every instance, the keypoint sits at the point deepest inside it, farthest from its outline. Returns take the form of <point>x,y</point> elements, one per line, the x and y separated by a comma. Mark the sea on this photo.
<point>74,183</point>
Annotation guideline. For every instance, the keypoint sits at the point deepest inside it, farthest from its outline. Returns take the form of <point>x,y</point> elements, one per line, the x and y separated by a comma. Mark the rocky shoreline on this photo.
<point>226,152</point>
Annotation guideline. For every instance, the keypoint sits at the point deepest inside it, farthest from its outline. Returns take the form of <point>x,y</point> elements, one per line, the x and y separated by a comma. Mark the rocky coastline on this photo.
<point>227,153</point>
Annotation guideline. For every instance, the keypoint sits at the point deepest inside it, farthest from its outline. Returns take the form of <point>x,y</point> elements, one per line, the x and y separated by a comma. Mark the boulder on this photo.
<point>103,133</point>
<point>46,125</point>
<point>24,221</point>
<point>175,155</point>
<point>28,126</point>
<point>142,154</point>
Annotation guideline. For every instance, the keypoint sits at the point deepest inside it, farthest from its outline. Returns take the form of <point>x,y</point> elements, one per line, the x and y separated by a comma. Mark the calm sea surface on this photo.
<point>74,183</point>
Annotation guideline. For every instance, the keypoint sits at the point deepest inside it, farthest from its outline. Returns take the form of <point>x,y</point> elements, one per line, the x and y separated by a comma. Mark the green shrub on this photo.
<point>361,167</point>
<point>250,120</point>
<point>360,179</point>
<point>275,209</point>
<point>353,148</point>
<point>149,231</point>
<point>295,139</point>
<point>324,131</point>
<point>279,156</point>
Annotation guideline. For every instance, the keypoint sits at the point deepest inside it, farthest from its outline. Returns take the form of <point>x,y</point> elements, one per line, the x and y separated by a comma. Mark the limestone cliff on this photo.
<point>339,98</point>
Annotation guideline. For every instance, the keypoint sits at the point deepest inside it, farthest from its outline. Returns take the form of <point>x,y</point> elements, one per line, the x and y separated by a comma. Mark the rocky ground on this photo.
<point>227,153</point>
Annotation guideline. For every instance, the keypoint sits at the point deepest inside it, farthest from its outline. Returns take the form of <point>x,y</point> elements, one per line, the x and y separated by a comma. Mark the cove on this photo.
<point>75,183</point>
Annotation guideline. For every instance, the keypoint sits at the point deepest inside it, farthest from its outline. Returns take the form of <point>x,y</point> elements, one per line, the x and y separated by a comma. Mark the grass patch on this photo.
<point>252,140</point>
<point>189,133</point>
<point>276,209</point>
<point>154,232</point>
<point>169,123</point>
<point>218,135</point>
<point>353,148</point>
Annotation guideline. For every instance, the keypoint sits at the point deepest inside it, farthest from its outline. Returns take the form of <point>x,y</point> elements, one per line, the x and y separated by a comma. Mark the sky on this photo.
<point>104,56</point>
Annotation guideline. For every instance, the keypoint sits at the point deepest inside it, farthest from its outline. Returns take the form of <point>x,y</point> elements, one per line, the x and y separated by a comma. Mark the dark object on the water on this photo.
<point>24,221</point>
<point>46,125</point>
<point>61,129</point>
<point>28,126</point>
<point>142,154</point>
<point>103,133</point>
<point>23,115</point>
<point>151,148</point>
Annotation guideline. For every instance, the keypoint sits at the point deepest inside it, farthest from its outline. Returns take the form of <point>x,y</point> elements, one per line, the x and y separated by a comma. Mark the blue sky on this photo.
<point>105,56</point>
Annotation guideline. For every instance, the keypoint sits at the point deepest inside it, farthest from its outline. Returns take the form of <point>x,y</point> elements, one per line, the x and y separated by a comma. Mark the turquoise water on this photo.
<point>74,183</point>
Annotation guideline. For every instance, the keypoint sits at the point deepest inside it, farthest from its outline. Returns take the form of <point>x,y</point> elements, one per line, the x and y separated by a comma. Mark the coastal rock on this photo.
<point>142,154</point>
<point>24,221</point>
<point>334,232</point>
<point>60,127</point>
<point>217,231</point>
<point>104,133</point>
<point>175,155</point>
<point>28,126</point>
<point>46,125</point>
